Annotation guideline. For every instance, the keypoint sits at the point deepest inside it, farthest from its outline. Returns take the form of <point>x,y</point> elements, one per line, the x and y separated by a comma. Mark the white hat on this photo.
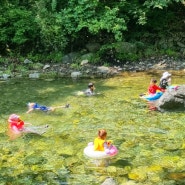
<point>165,75</point>
<point>13,117</point>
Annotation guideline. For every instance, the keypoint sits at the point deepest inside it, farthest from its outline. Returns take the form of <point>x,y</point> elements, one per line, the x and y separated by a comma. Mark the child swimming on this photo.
<point>35,106</point>
<point>16,127</point>
<point>90,90</point>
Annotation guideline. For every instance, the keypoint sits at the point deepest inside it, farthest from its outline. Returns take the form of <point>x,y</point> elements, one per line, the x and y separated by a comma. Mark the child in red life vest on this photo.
<point>152,89</point>
<point>16,124</point>
<point>16,127</point>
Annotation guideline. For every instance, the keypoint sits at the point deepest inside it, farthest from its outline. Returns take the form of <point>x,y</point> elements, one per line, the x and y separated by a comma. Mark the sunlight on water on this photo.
<point>151,144</point>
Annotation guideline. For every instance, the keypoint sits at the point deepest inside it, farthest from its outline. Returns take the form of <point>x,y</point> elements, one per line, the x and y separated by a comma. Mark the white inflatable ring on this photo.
<point>90,152</point>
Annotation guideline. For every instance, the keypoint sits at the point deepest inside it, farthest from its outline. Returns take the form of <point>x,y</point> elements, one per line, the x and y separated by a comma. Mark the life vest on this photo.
<point>18,124</point>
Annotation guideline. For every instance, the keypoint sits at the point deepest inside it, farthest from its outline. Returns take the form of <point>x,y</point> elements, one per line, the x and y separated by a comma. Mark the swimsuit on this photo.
<point>99,144</point>
<point>41,107</point>
<point>89,92</point>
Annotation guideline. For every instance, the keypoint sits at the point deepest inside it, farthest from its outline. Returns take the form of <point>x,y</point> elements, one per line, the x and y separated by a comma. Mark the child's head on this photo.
<point>13,117</point>
<point>90,85</point>
<point>30,105</point>
<point>153,81</point>
<point>102,133</point>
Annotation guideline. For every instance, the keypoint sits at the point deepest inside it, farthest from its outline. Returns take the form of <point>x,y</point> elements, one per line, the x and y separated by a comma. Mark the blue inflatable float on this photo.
<point>152,97</point>
<point>158,94</point>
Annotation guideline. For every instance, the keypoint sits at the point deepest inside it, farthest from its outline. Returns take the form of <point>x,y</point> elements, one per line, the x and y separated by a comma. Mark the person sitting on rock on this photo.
<point>165,80</point>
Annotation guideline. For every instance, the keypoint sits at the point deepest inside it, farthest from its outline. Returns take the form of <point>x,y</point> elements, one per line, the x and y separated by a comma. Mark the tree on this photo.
<point>47,26</point>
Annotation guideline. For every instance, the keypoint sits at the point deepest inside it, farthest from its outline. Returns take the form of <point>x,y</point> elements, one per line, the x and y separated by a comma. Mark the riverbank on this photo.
<point>87,70</point>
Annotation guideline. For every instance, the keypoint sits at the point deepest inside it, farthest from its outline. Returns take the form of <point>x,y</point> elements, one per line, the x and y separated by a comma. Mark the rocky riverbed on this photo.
<point>87,70</point>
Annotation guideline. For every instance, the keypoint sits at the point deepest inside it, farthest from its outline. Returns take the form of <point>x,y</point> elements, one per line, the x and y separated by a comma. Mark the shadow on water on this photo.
<point>121,163</point>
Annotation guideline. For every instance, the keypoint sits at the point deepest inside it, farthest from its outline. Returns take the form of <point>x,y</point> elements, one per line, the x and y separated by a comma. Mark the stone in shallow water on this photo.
<point>76,74</point>
<point>109,181</point>
<point>34,75</point>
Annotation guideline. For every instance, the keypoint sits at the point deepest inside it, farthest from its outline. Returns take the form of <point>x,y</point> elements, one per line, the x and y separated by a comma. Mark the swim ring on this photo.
<point>152,97</point>
<point>175,87</point>
<point>108,153</point>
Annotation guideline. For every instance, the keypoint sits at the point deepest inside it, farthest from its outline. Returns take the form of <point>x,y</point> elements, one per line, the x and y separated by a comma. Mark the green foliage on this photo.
<point>150,51</point>
<point>122,51</point>
<point>54,57</point>
<point>52,27</point>
<point>95,59</point>
<point>75,66</point>
<point>106,64</point>
<point>53,5</point>
<point>169,52</point>
<point>17,28</point>
<point>128,57</point>
<point>160,3</point>
<point>94,16</point>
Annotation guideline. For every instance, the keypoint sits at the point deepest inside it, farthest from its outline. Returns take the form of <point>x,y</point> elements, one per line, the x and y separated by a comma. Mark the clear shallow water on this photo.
<point>151,144</point>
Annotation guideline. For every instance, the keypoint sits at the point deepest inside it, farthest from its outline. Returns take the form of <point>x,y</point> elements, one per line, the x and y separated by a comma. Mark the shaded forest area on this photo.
<point>45,30</point>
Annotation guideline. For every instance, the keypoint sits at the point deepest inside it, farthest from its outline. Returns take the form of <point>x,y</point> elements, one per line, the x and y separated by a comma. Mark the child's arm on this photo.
<point>30,110</point>
<point>107,144</point>
<point>160,89</point>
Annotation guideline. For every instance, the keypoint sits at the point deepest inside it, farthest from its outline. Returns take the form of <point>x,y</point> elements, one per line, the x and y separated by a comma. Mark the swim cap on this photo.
<point>14,117</point>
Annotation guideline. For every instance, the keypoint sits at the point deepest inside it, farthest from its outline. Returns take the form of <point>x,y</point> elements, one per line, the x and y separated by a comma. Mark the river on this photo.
<point>151,144</point>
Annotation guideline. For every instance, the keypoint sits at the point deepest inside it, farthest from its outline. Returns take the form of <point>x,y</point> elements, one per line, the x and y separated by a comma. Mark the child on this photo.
<point>90,90</point>
<point>35,106</point>
<point>152,89</point>
<point>100,143</point>
<point>165,80</point>
<point>16,127</point>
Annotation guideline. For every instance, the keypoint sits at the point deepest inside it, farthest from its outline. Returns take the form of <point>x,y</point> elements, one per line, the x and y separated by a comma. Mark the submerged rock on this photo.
<point>109,181</point>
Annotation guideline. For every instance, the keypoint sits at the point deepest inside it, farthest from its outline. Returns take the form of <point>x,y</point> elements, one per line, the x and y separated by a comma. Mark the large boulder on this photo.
<point>172,99</point>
